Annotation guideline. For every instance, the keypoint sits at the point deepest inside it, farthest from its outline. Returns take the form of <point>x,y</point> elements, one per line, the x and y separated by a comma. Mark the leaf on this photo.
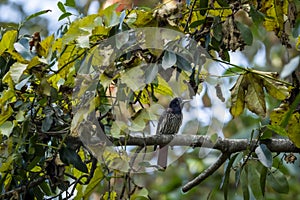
<point>7,41</point>
<point>275,88</point>
<point>16,71</point>
<point>277,129</point>
<point>278,181</point>
<point>70,3</point>
<point>69,156</point>
<point>183,64</point>
<point>6,112</point>
<point>203,6</point>
<point>264,155</point>
<point>134,78</point>
<point>254,183</point>
<point>94,182</point>
<point>255,97</point>
<point>61,7</point>
<point>169,59</point>
<point>35,15</point>
<point>64,15</point>
<point>238,96</point>
<point>225,179</point>
<point>263,178</point>
<point>151,72</point>
<point>245,183</point>
<point>245,32</point>
<point>47,123</point>
<point>293,129</point>
<point>6,128</point>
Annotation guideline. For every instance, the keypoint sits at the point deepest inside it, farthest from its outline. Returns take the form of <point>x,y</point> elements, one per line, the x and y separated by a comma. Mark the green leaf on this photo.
<point>245,182</point>
<point>61,7</point>
<point>45,188</point>
<point>263,178</point>
<point>278,181</point>
<point>277,129</point>
<point>69,156</point>
<point>254,183</point>
<point>203,6</point>
<point>264,155</point>
<point>197,23</point>
<point>34,15</point>
<point>64,15</point>
<point>245,32</point>
<point>70,3</point>
<point>47,123</point>
<point>183,64</point>
<point>169,59</point>
<point>151,72</point>
<point>225,179</point>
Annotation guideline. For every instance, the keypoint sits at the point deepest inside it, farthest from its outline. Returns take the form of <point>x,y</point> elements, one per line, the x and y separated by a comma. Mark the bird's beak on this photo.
<point>185,101</point>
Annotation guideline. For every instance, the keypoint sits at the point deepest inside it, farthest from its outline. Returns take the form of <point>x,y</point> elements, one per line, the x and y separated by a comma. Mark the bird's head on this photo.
<point>176,105</point>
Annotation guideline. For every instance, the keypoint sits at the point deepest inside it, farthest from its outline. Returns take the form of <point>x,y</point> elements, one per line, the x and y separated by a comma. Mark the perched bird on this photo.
<point>169,123</point>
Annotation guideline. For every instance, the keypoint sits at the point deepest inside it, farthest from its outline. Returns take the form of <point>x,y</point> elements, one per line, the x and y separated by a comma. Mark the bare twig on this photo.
<point>206,173</point>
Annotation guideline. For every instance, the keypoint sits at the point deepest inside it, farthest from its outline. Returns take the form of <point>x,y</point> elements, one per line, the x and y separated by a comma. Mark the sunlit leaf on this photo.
<point>6,112</point>
<point>7,41</point>
<point>16,71</point>
<point>6,128</point>
<point>238,96</point>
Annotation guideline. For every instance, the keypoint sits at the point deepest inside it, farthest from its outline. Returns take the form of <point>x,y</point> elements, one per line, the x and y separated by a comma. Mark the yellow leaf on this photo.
<point>255,97</point>
<point>46,45</point>
<point>6,112</point>
<point>238,96</point>
<point>293,129</point>
<point>8,40</point>
<point>276,89</point>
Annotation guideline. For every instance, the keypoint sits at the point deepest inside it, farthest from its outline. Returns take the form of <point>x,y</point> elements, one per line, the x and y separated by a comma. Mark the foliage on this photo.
<point>40,142</point>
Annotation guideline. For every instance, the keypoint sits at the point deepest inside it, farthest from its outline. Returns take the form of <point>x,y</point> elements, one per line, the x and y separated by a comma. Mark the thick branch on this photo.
<point>224,145</point>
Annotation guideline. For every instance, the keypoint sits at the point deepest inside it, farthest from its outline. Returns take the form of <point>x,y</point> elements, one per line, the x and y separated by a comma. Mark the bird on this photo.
<point>169,124</point>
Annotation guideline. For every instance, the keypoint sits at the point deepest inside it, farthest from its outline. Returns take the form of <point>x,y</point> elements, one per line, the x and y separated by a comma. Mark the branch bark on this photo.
<point>222,144</point>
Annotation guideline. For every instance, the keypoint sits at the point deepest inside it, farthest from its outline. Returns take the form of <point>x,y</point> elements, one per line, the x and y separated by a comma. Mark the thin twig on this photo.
<point>206,173</point>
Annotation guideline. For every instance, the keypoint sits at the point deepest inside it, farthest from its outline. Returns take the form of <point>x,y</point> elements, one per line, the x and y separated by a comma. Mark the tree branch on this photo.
<point>206,173</point>
<point>222,144</point>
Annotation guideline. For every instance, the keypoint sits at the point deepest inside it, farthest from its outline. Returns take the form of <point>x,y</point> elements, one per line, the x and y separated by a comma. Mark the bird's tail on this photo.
<point>163,157</point>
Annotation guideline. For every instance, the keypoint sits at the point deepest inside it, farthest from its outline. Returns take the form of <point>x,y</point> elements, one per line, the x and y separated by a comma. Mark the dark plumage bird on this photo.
<point>169,123</point>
